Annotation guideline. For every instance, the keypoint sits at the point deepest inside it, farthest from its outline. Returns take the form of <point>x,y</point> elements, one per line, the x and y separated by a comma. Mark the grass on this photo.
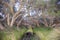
<point>47,33</point>
<point>42,32</point>
<point>12,34</point>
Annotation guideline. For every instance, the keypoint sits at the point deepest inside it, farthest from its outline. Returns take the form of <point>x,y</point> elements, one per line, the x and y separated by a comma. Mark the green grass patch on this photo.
<point>44,33</point>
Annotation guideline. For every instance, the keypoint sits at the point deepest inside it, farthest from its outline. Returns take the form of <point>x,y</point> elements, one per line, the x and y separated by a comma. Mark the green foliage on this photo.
<point>44,33</point>
<point>12,35</point>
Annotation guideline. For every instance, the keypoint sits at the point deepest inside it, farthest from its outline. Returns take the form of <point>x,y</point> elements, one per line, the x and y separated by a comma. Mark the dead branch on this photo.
<point>8,19</point>
<point>15,16</point>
